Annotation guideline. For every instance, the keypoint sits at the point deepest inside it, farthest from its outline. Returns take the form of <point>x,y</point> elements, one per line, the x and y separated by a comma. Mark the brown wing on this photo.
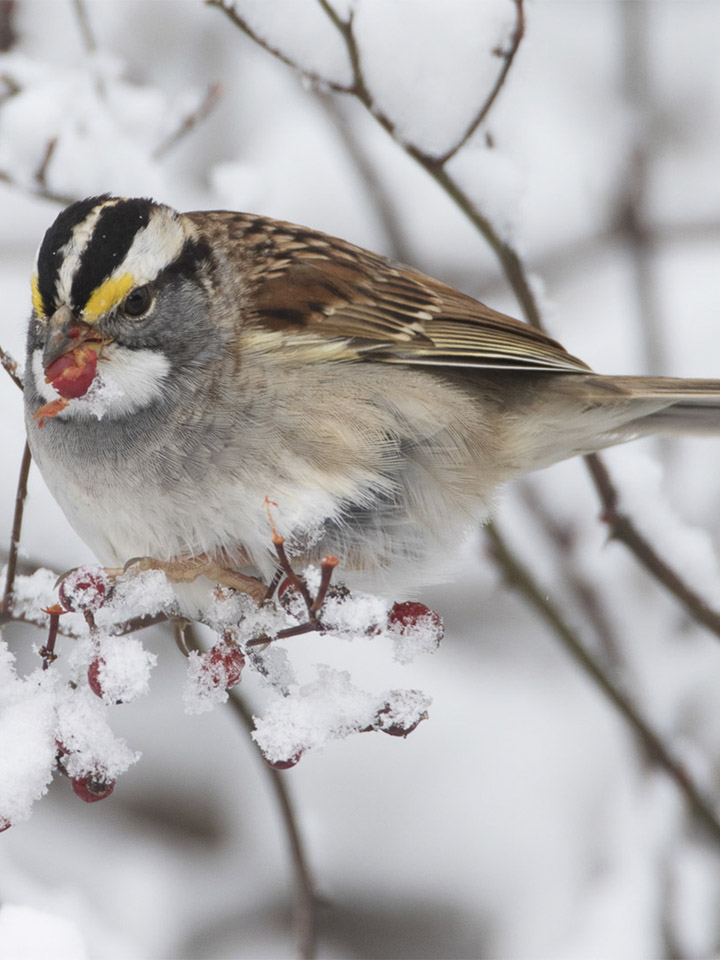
<point>306,282</point>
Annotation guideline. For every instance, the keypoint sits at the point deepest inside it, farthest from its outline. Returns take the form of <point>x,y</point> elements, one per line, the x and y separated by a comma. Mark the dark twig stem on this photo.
<point>297,582</point>
<point>36,191</point>
<point>48,651</point>
<point>243,25</point>
<point>20,496</point>
<point>203,110</point>
<point>587,597</point>
<point>10,366</point>
<point>84,24</point>
<point>507,56</point>
<point>327,568</point>
<point>520,577</point>
<point>622,528</point>
<point>305,911</point>
<point>378,195</point>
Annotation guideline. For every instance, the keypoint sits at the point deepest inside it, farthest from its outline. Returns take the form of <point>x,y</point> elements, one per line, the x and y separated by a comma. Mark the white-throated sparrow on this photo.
<point>182,368</point>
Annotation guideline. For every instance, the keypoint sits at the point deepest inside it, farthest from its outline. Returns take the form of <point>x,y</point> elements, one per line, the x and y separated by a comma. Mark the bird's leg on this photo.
<point>188,569</point>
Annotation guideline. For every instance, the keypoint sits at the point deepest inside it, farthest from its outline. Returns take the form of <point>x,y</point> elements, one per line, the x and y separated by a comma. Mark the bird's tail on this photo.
<point>669,405</point>
<point>580,413</point>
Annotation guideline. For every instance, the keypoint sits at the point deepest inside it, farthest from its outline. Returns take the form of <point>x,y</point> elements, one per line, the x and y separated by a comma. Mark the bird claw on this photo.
<point>188,569</point>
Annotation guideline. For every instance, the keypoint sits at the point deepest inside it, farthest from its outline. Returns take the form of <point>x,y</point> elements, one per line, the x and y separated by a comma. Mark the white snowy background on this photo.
<point>522,819</point>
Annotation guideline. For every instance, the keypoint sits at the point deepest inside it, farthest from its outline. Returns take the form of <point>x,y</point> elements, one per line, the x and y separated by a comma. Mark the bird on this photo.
<point>187,370</point>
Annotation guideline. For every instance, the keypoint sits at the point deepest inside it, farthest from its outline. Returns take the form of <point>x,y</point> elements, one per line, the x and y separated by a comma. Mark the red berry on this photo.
<point>73,372</point>
<point>91,789</point>
<point>223,664</point>
<point>94,676</point>
<point>285,764</point>
<point>396,730</point>
<point>388,721</point>
<point>405,616</point>
<point>84,589</point>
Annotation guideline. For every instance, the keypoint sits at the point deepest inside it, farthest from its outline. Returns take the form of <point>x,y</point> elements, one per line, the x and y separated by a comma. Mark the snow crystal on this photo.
<point>124,668</point>
<point>33,593</point>
<point>138,593</point>
<point>402,712</point>
<point>331,708</point>
<point>422,634</point>
<point>27,742</point>
<point>89,746</point>
<point>200,694</point>
<point>356,614</point>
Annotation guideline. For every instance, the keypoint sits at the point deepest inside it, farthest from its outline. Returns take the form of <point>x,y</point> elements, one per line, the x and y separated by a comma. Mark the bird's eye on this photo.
<point>137,302</point>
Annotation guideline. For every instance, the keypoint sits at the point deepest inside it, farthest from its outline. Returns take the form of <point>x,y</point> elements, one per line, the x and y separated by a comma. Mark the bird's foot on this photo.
<point>188,569</point>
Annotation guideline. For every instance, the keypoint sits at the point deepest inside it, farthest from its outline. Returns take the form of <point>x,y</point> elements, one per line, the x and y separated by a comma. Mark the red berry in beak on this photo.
<point>73,372</point>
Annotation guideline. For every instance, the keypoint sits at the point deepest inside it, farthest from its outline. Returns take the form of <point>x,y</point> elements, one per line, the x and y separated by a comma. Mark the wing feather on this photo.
<point>304,282</point>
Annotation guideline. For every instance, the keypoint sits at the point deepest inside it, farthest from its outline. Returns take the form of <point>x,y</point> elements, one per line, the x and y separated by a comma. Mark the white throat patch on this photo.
<point>126,381</point>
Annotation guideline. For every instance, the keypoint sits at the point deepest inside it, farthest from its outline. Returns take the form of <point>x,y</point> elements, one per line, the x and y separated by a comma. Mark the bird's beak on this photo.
<point>65,332</point>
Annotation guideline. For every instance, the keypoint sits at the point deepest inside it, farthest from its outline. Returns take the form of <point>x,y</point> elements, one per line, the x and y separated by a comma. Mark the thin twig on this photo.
<point>507,56</point>
<point>297,581</point>
<point>327,568</point>
<point>48,651</point>
<point>586,594</point>
<point>242,24</point>
<point>376,191</point>
<point>10,366</point>
<point>305,908</point>
<point>85,28</point>
<point>520,577</point>
<point>20,496</point>
<point>631,219</point>
<point>63,199</point>
<point>89,40</point>
<point>203,110</point>
<point>623,529</point>
<point>42,170</point>
<point>8,34</point>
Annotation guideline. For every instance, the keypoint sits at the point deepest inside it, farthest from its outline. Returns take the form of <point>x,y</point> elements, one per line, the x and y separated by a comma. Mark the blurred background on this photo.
<point>522,819</point>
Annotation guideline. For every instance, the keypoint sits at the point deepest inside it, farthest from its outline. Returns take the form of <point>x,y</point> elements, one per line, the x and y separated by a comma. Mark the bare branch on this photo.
<point>376,191</point>
<point>520,577</point>
<point>41,172</point>
<point>10,366</point>
<point>586,595</point>
<point>624,530</point>
<point>84,24</point>
<point>631,218</point>
<point>242,24</point>
<point>203,110</point>
<point>63,199</point>
<point>507,56</point>
<point>16,530</point>
<point>305,912</point>
<point>89,40</point>
<point>8,34</point>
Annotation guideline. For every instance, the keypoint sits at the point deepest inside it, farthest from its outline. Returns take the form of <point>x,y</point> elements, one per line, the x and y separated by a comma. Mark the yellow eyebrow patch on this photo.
<point>37,300</point>
<point>106,296</point>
